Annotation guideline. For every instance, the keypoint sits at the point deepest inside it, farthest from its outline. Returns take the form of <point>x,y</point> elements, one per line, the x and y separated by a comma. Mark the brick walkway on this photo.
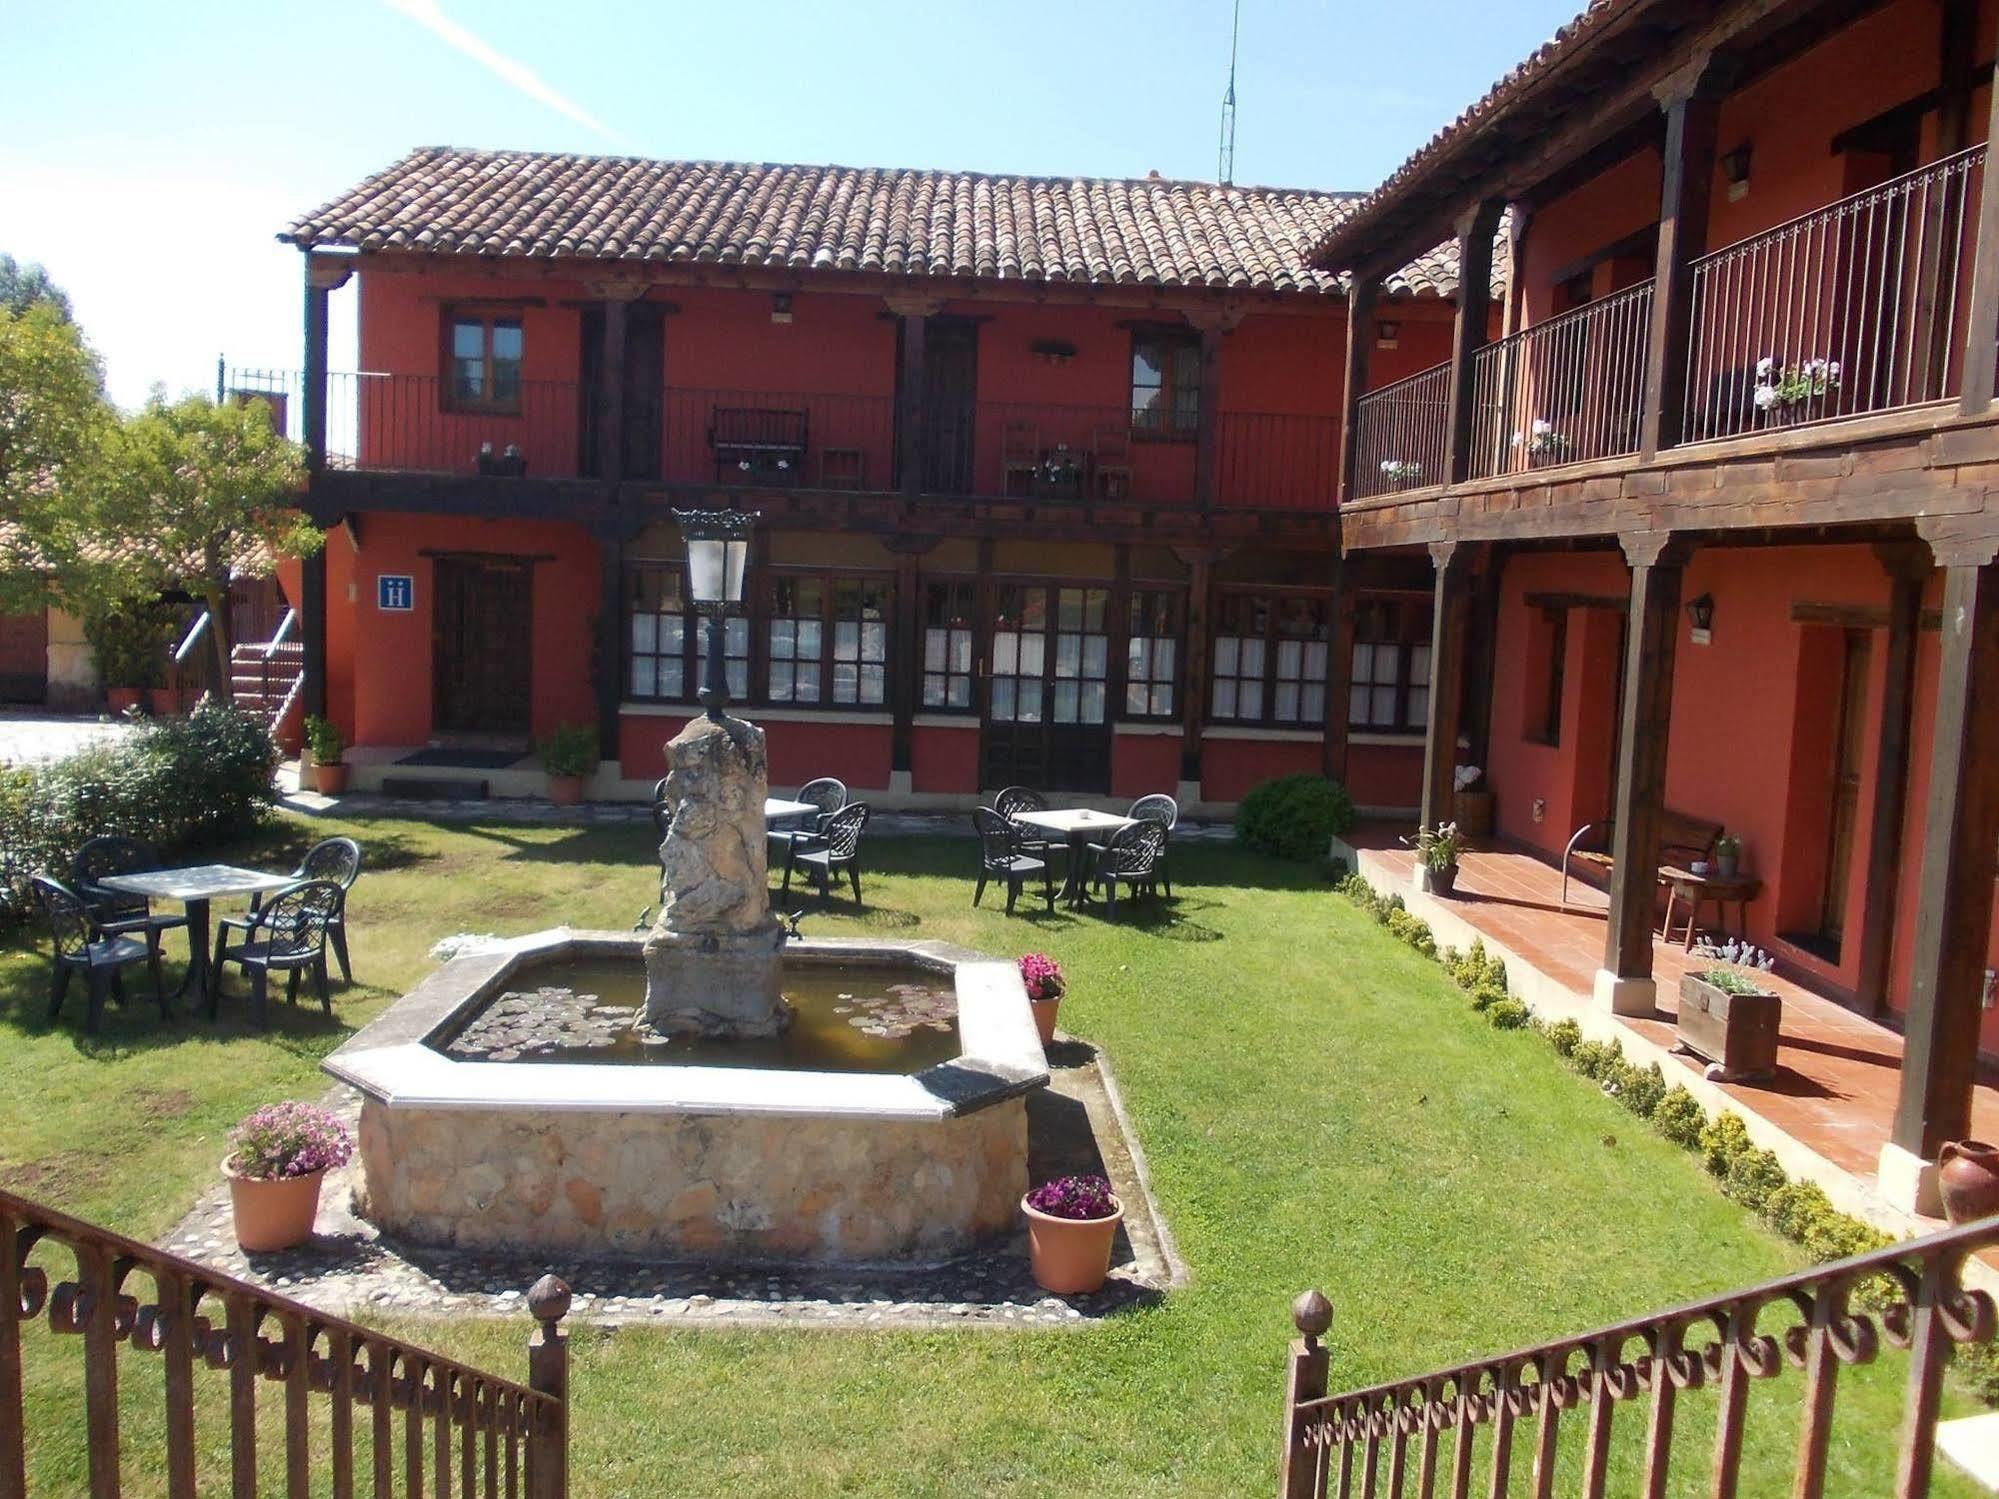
<point>1838,1073</point>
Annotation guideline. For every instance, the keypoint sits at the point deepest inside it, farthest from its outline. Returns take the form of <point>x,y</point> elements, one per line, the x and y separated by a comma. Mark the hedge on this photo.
<point>177,783</point>
<point>1294,817</point>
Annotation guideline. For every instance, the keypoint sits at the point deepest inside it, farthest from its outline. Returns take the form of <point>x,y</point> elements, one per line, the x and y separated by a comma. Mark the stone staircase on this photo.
<point>264,679</point>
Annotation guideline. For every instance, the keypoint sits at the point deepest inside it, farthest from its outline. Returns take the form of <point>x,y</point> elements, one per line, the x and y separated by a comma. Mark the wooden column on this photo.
<point>906,647</point>
<point>1959,861</point>
<point>1691,100</point>
<point>1194,694</point>
<point>1981,337</point>
<point>1481,656</point>
<point>910,441</point>
<point>1475,231</point>
<point>1651,635</point>
<point>1447,677</point>
<point>1339,672</point>
<point>1360,348</point>
<point>611,391</point>
<point>1213,324</point>
<point>313,396</point>
<point>610,646</point>
<point>1908,567</point>
<point>323,276</point>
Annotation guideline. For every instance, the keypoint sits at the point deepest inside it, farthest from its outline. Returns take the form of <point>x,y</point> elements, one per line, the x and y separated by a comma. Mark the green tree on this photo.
<point>24,286</point>
<point>197,494</point>
<point>54,423</point>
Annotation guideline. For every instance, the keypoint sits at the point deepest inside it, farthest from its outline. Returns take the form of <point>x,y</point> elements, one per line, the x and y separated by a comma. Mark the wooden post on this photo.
<point>1304,1380</point>
<point>1651,634</point>
<point>1360,348</point>
<point>1213,324</point>
<point>1447,666</point>
<point>1482,634</point>
<point>906,647</point>
<point>1960,858</point>
<point>1194,697</point>
<point>1908,567</point>
<point>1981,337</point>
<point>1692,104</point>
<point>313,396</point>
<point>1476,228</point>
<point>611,390</point>
<point>610,675</point>
<point>1339,672</point>
<point>312,632</point>
<point>909,435</point>
<point>548,1376</point>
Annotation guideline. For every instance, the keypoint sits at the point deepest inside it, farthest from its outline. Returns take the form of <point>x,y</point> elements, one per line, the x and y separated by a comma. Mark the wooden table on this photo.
<point>1697,890</point>
<point>194,887</point>
<point>1079,827</point>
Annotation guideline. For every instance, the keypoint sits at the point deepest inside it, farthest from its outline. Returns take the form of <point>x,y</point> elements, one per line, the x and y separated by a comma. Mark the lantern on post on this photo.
<point>718,558</point>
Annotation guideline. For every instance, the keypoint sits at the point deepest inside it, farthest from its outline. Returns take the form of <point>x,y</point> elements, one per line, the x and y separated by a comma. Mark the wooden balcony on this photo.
<point>1842,329</point>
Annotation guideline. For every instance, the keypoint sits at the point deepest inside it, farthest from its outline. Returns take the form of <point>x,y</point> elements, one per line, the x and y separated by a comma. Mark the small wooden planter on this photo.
<point>1737,1032</point>
<point>1472,811</point>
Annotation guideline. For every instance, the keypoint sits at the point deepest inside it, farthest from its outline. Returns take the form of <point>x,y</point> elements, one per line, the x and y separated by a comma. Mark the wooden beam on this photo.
<point>906,648</point>
<point>1207,420</point>
<point>1447,676</point>
<point>1957,74</point>
<point>1482,671</point>
<point>1908,568</point>
<point>314,376</point>
<point>1339,673</point>
<point>1194,702</point>
<point>610,653</point>
<point>1960,858</point>
<point>1651,635</point>
<point>611,389</point>
<point>1614,602</point>
<point>1981,335</point>
<point>1469,333</point>
<point>1360,346</point>
<point>909,438</point>
<point>1693,113</point>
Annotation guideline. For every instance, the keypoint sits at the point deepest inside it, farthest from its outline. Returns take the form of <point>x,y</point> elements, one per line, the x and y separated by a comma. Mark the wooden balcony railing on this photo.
<point>1566,390</point>
<point>1855,307</point>
<point>423,1419</point>
<point>1413,1436</point>
<point>1399,433</point>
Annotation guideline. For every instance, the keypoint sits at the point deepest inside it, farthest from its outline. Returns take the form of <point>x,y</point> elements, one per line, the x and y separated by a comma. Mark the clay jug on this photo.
<point>1969,1180</point>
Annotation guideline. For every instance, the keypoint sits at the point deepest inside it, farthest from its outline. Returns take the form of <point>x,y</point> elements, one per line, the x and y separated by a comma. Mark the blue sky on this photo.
<point>149,152</point>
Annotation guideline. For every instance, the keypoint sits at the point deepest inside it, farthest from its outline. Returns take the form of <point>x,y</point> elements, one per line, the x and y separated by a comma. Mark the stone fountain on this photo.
<point>713,957</point>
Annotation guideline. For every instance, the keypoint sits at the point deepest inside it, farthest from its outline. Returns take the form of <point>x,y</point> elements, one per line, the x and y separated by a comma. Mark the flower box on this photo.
<point>1736,1032</point>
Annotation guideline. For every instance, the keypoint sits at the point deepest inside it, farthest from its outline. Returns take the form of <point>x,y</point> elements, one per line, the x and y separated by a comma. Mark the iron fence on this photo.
<point>1566,390</point>
<point>1400,432</point>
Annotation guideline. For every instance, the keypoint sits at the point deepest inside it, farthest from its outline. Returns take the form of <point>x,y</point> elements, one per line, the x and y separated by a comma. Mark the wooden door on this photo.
<point>1843,819</point>
<point>1047,722</point>
<point>645,393</point>
<point>950,403</point>
<point>24,657</point>
<point>482,645</point>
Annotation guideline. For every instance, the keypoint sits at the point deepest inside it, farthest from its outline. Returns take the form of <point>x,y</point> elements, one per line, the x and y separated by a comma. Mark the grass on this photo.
<point>1318,1105</point>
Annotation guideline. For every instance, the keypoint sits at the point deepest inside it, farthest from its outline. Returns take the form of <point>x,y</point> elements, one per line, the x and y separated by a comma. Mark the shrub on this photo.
<point>178,784</point>
<point>1723,1139</point>
<point>130,642</point>
<point>1565,1036</point>
<point>1506,1014</point>
<point>1412,929</point>
<point>1485,997</point>
<point>1294,817</point>
<point>570,750</point>
<point>1753,1176</point>
<point>322,737</point>
<point>1680,1118</point>
<point>1643,1088</point>
<point>1595,1059</point>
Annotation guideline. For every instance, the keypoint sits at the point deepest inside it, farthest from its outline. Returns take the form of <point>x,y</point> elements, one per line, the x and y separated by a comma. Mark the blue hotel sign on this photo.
<point>395,592</point>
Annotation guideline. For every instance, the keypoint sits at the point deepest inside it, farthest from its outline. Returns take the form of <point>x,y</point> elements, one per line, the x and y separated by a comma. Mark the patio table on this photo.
<point>1684,887</point>
<point>195,887</point>
<point>1080,826</point>
<point>781,813</point>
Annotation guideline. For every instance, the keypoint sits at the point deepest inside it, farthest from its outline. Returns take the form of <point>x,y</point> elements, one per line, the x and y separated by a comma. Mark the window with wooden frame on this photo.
<point>482,351</point>
<point>827,641</point>
<point>1389,686</point>
<point>667,641</point>
<point>1153,621</point>
<point>1269,658</point>
<point>1165,382</point>
<point>950,619</point>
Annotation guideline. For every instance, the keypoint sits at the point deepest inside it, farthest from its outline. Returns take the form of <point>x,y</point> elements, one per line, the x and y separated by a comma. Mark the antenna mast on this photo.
<point>1226,169</point>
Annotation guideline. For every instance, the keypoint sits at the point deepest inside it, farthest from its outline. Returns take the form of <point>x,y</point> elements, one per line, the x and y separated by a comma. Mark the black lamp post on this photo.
<point>718,556</point>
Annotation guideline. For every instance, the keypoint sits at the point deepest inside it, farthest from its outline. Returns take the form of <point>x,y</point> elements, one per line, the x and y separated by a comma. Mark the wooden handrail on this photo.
<point>1910,1296</point>
<point>496,1433</point>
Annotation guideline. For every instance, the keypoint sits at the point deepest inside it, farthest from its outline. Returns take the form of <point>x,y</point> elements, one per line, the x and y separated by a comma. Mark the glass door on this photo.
<point>1047,722</point>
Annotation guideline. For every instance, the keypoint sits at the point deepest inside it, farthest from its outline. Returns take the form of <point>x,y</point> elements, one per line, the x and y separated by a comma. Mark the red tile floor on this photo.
<point>1838,1072</point>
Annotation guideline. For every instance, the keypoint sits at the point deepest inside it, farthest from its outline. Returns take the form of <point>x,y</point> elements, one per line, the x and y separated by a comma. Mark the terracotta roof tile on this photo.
<point>1148,232</point>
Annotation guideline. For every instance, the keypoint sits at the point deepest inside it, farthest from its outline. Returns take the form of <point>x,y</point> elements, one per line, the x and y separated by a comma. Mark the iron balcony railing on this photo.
<point>1416,1436</point>
<point>1566,390</point>
<point>356,1406</point>
<point>1856,307</point>
<point>1399,434</point>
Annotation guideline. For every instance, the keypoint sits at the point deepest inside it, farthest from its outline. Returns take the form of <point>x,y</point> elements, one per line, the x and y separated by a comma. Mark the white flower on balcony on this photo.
<point>1767,397</point>
<point>743,464</point>
<point>784,463</point>
<point>1764,366</point>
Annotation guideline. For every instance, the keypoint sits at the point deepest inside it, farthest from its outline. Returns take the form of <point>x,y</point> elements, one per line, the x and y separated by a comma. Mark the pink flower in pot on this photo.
<point>1072,1225</point>
<point>1042,977</point>
<point>281,1154</point>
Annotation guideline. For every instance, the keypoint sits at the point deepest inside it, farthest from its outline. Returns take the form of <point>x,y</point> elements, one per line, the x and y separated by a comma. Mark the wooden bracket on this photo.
<point>1961,541</point>
<point>913,304</point>
<point>1654,548</point>
<point>1906,560</point>
<point>328,272</point>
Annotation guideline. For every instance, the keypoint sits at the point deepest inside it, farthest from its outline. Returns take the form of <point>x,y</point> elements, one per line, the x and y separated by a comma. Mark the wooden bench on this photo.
<point>761,444</point>
<point>1682,839</point>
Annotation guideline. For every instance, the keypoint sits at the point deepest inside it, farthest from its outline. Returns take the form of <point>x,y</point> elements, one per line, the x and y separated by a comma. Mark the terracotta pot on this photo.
<point>1969,1180</point>
<point>273,1214</point>
<point>329,780</point>
<point>1070,1256</point>
<point>565,791</point>
<point>1044,1017</point>
<point>163,702</point>
<point>122,699</point>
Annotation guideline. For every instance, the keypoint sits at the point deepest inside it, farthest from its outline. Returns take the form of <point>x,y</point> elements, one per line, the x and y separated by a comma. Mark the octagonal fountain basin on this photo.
<point>510,1102</point>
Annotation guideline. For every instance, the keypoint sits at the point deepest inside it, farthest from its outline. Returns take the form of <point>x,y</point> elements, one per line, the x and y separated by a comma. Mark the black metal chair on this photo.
<point>80,944</point>
<point>1000,858</point>
<point>839,847</point>
<point>829,796</point>
<point>1131,858</point>
<point>335,859</point>
<point>112,912</point>
<point>661,813</point>
<point>1013,801</point>
<point>287,935</point>
<point>1161,809</point>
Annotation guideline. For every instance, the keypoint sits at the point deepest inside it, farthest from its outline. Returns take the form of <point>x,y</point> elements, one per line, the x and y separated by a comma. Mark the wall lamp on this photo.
<point>1387,334</point>
<point>780,307</point>
<point>1700,612</point>
<point>1735,169</point>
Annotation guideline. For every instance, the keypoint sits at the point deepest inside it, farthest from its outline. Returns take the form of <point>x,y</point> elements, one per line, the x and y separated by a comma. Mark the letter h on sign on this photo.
<point>395,592</point>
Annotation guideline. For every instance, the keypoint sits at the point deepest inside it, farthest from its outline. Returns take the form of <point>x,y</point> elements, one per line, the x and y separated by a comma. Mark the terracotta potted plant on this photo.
<point>128,644</point>
<point>1968,1178</point>
<point>1042,976</point>
<point>327,751</point>
<point>568,755</point>
<point>280,1155</point>
<point>1437,853</point>
<point>1071,1225</point>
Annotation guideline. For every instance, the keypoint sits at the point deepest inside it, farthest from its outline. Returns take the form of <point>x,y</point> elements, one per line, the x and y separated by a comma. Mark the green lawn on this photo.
<point>1318,1105</point>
